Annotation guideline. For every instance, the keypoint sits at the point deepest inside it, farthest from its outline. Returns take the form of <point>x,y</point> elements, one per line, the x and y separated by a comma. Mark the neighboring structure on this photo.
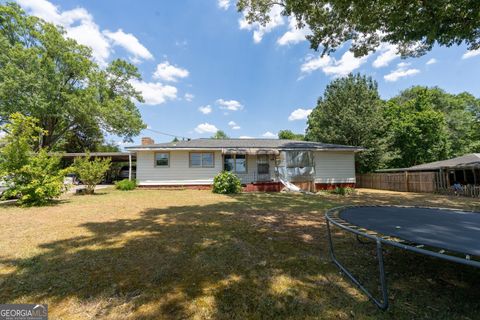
<point>261,164</point>
<point>438,176</point>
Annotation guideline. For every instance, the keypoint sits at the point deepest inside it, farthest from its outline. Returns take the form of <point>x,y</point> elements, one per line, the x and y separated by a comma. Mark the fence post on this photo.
<point>406,181</point>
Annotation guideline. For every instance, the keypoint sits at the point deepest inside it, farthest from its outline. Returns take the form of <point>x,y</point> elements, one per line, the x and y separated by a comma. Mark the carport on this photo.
<point>116,157</point>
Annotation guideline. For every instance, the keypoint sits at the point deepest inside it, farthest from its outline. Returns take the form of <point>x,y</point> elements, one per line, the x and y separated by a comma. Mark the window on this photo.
<point>162,159</point>
<point>201,160</point>
<point>299,159</point>
<point>235,163</point>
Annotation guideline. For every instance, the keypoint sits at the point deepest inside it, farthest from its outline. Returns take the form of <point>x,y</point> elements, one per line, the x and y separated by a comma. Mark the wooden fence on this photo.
<point>404,181</point>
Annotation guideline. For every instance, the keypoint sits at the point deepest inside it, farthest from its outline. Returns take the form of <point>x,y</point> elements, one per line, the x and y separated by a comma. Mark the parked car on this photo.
<point>71,179</point>
<point>3,187</point>
<point>123,173</point>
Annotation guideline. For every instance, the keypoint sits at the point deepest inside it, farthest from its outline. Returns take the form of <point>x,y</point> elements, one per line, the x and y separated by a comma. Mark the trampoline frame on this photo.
<point>332,217</point>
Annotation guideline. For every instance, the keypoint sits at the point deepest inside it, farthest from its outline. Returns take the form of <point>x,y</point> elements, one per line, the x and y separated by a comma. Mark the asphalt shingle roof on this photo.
<point>466,160</point>
<point>247,143</point>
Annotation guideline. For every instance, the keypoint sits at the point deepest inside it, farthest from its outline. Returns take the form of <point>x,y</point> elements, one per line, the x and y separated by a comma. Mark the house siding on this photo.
<point>330,168</point>
<point>334,167</point>
<point>177,173</point>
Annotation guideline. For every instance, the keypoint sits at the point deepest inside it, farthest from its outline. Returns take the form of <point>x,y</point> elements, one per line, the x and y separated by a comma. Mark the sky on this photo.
<point>205,69</point>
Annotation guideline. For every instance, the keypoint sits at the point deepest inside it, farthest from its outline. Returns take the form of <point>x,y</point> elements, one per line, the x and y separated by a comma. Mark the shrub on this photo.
<point>126,185</point>
<point>34,177</point>
<point>226,183</point>
<point>343,191</point>
<point>91,172</point>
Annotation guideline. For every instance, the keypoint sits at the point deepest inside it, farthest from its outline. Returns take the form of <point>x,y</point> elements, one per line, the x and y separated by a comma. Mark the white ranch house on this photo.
<point>259,163</point>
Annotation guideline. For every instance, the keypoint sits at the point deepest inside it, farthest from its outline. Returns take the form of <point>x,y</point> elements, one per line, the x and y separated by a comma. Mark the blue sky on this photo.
<point>204,69</point>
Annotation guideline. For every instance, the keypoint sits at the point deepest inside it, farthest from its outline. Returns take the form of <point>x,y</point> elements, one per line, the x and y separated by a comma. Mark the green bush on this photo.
<point>34,177</point>
<point>126,185</point>
<point>226,183</point>
<point>91,172</point>
<point>343,191</point>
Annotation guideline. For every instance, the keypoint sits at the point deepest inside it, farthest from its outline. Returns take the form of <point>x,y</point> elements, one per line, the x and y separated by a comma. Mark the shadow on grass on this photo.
<point>259,256</point>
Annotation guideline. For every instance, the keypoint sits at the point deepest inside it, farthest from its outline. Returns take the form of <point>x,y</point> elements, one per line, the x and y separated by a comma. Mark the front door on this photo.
<point>263,168</point>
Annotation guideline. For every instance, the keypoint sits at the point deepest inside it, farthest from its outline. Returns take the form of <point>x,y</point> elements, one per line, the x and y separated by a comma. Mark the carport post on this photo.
<point>130,167</point>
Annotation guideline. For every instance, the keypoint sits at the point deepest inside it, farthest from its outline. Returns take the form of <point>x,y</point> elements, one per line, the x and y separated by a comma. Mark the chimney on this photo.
<point>147,140</point>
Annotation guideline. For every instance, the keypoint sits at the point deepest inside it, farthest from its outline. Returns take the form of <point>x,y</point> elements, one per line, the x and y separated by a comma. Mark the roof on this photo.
<point>468,160</point>
<point>114,156</point>
<point>463,161</point>
<point>244,144</point>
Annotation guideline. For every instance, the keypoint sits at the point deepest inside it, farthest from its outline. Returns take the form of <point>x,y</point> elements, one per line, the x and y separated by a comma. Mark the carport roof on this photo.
<point>115,156</point>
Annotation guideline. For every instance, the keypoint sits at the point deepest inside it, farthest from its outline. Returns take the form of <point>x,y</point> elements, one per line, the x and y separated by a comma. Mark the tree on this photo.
<point>91,172</point>
<point>350,113</point>
<point>35,178</point>
<point>461,112</point>
<point>50,77</point>
<point>419,132</point>
<point>414,27</point>
<point>220,135</point>
<point>289,135</point>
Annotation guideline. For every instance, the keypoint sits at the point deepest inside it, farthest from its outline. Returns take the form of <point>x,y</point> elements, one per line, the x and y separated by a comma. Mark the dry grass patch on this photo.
<point>174,254</point>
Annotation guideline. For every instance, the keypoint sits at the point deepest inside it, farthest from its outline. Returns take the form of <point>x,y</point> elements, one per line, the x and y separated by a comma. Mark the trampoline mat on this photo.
<point>456,231</point>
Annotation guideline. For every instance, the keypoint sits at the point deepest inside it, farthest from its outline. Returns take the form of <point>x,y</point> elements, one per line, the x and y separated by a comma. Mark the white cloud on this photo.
<point>293,35</point>
<point>471,54</point>
<point>246,137</point>
<point>205,109</point>
<point>234,125</point>
<point>80,25</point>
<point>276,20</point>
<point>189,97</point>
<point>206,128</point>
<point>299,114</point>
<point>401,72</point>
<point>232,105</point>
<point>155,93</point>
<point>169,72</point>
<point>311,64</point>
<point>432,61</point>
<point>387,53</point>
<point>269,134</point>
<point>223,4</point>
<point>130,43</point>
<point>333,67</point>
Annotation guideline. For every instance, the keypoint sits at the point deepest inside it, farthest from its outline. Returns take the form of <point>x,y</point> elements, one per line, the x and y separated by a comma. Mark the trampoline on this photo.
<point>448,234</point>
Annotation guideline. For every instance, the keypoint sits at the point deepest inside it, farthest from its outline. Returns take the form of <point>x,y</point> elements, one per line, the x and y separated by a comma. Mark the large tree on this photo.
<point>461,112</point>
<point>413,26</point>
<point>51,77</point>
<point>419,132</point>
<point>350,113</point>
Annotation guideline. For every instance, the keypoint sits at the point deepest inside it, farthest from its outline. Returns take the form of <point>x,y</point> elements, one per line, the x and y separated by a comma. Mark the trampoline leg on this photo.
<point>383,305</point>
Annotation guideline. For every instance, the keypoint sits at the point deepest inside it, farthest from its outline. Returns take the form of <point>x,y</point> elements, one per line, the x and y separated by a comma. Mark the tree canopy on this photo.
<point>414,27</point>
<point>220,134</point>
<point>350,113</point>
<point>290,135</point>
<point>428,124</point>
<point>419,132</point>
<point>48,76</point>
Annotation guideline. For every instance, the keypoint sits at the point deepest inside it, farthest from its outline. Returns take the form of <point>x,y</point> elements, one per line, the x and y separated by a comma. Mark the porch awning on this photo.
<point>252,151</point>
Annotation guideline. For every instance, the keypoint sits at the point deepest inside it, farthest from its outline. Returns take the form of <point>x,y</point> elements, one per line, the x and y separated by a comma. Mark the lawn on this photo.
<point>176,254</point>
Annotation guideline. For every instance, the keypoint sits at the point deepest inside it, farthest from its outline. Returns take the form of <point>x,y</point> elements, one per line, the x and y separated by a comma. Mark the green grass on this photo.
<point>174,254</point>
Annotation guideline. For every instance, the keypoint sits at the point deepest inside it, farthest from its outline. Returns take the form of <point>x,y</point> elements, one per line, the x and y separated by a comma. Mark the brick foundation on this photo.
<point>263,187</point>
<point>175,187</point>
<point>255,187</point>
<point>331,186</point>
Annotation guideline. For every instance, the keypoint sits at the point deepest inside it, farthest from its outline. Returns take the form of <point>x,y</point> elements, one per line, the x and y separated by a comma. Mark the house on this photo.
<point>261,164</point>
